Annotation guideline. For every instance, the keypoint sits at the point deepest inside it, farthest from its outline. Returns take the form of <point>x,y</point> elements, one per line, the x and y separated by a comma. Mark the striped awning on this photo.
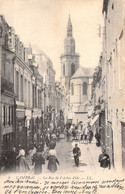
<point>92,122</point>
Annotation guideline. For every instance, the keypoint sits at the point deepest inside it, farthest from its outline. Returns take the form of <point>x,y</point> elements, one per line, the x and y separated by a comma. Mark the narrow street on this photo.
<point>88,160</point>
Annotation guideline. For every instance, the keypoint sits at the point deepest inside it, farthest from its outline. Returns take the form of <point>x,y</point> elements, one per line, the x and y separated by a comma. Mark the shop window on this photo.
<point>84,88</point>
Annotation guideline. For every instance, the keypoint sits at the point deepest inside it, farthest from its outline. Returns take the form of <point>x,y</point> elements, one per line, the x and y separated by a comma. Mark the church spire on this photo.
<point>69,27</point>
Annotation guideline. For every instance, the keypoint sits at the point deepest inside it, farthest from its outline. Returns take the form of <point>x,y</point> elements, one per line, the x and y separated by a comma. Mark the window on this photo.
<point>17,84</point>
<point>39,98</point>
<point>63,69</point>
<point>72,89</point>
<point>3,115</point>
<point>33,99</point>
<point>7,115</point>
<point>21,84</point>
<point>72,68</point>
<point>28,93</point>
<point>84,88</point>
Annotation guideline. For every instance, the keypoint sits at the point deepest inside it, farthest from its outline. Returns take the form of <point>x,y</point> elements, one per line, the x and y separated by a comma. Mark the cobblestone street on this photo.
<point>88,160</point>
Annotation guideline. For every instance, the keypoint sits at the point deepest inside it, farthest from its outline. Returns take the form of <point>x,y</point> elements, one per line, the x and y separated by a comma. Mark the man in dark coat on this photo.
<point>104,160</point>
<point>12,159</point>
<point>38,159</point>
<point>77,154</point>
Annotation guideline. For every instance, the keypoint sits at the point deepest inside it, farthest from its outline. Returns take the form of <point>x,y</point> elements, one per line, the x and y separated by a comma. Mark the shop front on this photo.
<point>21,129</point>
<point>28,116</point>
<point>8,122</point>
<point>36,125</point>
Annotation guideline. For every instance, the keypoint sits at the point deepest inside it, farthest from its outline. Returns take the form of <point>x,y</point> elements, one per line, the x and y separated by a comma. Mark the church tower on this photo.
<point>70,59</point>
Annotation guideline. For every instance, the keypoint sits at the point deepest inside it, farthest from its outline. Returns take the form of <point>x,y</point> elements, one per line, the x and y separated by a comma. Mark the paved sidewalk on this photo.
<point>89,157</point>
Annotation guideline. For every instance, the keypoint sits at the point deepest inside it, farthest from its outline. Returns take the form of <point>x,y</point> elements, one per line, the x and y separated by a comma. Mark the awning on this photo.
<point>94,120</point>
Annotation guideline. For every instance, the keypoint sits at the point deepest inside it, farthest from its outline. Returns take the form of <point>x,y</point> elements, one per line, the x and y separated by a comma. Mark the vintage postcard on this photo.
<point>62,96</point>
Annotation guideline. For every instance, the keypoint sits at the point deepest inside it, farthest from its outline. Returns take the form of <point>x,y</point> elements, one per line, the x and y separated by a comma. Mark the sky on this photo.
<point>43,23</point>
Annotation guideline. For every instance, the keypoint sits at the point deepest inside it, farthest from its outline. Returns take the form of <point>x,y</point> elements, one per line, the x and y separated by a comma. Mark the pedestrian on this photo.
<point>9,159</point>
<point>52,144</point>
<point>58,134</point>
<point>77,154</point>
<point>104,160</point>
<point>38,159</point>
<point>74,132</point>
<point>22,164</point>
<point>31,152</point>
<point>12,159</point>
<point>90,134</point>
<point>68,135</point>
<point>98,138</point>
<point>52,158</point>
<point>85,135</point>
<point>47,139</point>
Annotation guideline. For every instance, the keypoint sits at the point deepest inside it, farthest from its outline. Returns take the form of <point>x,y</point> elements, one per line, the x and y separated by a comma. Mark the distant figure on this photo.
<point>52,144</point>
<point>90,135</point>
<point>9,160</point>
<point>98,138</point>
<point>58,134</point>
<point>104,160</point>
<point>38,159</point>
<point>31,152</point>
<point>22,165</point>
<point>77,154</point>
<point>52,157</point>
<point>85,135</point>
<point>74,132</point>
<point>12,159</point>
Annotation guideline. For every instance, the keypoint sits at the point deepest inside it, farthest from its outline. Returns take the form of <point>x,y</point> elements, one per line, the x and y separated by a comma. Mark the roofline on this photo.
<point>81,77</point>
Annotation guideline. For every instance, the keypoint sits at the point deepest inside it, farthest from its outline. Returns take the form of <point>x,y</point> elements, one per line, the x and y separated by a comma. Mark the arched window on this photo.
<point>72,89</point>
<point>84,88</point>
<point>72,68</point>
<point>63,69</point>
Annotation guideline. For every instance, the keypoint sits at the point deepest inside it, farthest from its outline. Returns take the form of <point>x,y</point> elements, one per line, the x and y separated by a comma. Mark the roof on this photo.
<point>83,72</point>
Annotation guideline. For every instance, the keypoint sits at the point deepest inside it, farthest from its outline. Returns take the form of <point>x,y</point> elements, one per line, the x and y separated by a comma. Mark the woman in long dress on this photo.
<point>22,164</point>
<point>38,159</point>
<point>52,157</point>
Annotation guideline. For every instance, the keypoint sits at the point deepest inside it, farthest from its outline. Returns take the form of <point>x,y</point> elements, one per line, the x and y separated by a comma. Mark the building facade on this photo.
<point>25,94</point>
<point>114,49</point>
<point>7,129</point>
<point>109,88</point>
<point>80,93</point>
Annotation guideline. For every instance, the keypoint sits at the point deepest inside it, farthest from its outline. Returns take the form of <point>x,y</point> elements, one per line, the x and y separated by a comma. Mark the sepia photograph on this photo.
<point>62,96</point>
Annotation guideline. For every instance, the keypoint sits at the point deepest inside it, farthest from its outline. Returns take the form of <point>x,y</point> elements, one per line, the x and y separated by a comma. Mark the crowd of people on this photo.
<point>44,150</point>
<point>41,151</point>
<point>80,132</point>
